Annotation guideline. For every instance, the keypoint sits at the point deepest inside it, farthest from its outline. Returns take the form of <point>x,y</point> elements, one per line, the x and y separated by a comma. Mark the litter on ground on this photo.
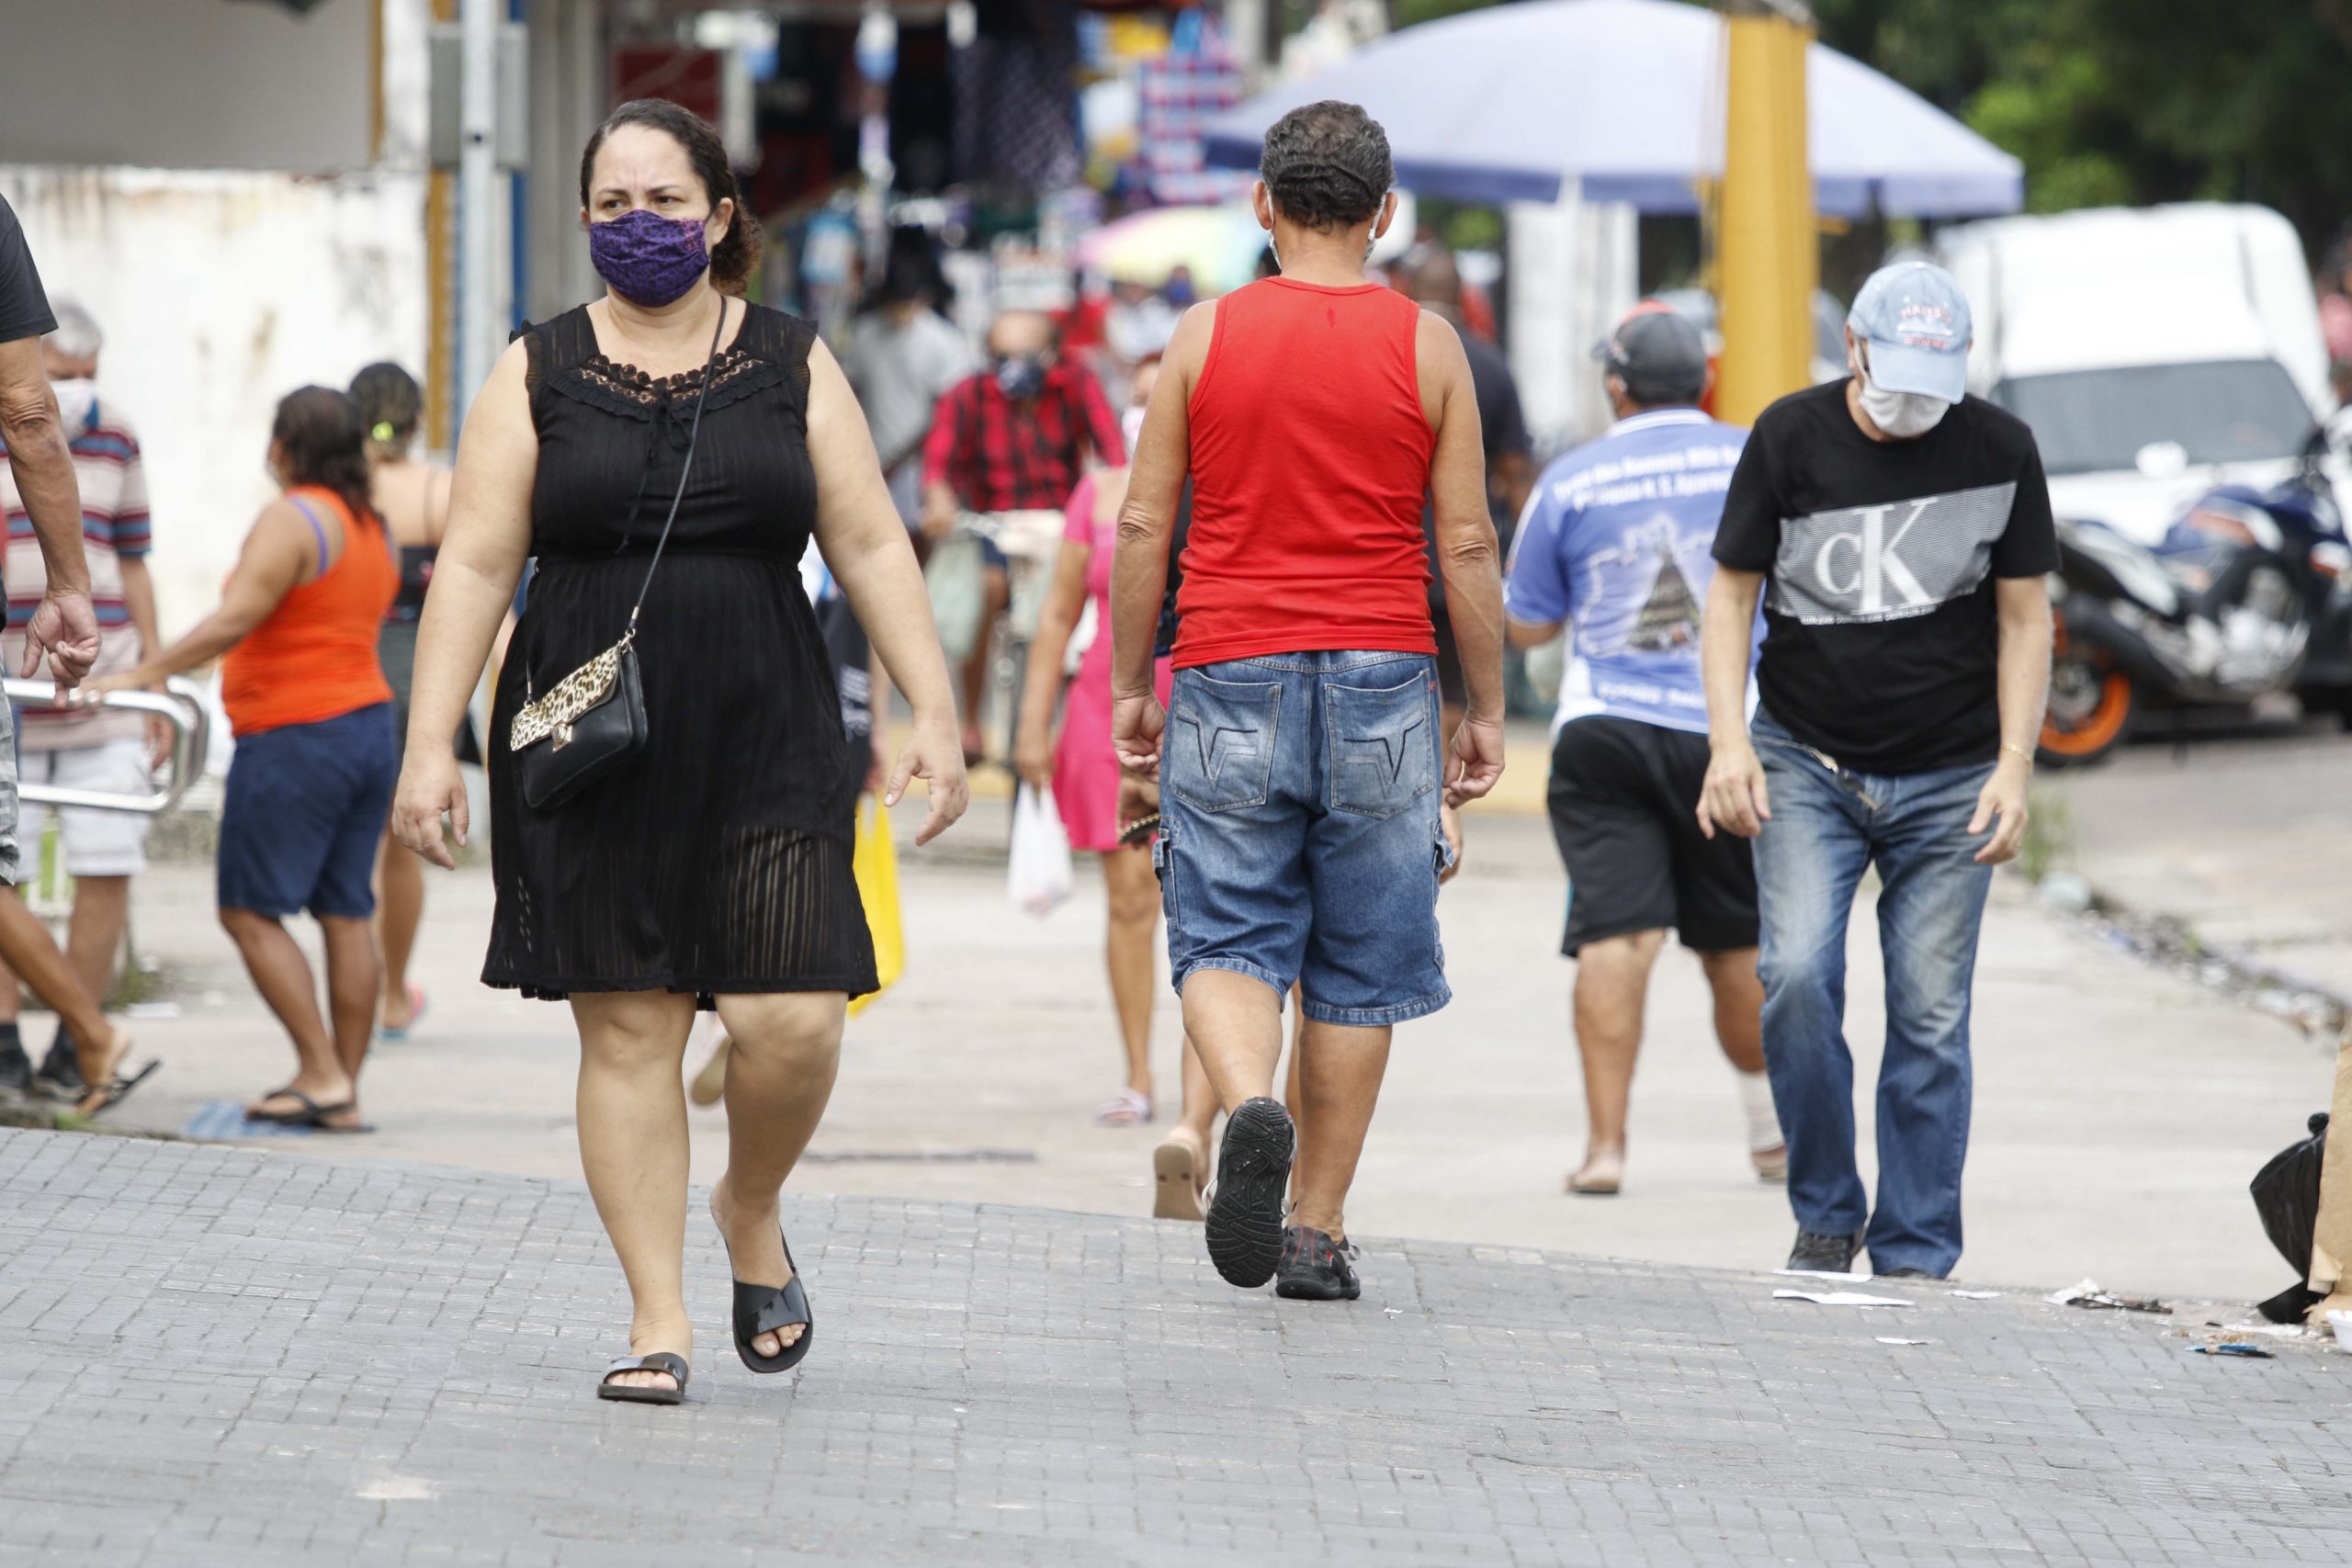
<point>1839,1298</point>
<point>2090,1293</point>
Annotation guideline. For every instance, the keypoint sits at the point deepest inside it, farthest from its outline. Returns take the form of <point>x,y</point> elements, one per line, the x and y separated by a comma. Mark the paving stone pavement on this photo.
<point>214,1356</point>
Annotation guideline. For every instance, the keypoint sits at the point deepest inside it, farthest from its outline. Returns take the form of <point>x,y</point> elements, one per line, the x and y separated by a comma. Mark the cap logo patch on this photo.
<point>1924,324</point>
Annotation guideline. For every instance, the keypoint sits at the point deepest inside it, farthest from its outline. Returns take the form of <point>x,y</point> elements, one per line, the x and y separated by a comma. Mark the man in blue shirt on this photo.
<point>1616,545</point>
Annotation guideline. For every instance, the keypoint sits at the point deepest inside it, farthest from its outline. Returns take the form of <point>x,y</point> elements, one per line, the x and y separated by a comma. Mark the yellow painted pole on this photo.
<point>440,258</point>
<point>1766,252</point>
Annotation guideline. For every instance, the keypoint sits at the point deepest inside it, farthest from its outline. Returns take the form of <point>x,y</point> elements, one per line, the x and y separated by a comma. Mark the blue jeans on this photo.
<point>1299,838</point>
<point>1828,826</point>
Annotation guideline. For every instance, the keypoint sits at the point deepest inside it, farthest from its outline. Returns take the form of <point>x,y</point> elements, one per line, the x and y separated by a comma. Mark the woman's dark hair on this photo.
<point>737,253</point>
<point>320,442</point>
<point>1326,166</point>
<point>390,401</point>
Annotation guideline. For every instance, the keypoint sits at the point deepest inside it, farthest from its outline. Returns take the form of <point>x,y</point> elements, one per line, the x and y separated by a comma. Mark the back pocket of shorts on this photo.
<point>1219,747</point>
<point>1384,746</point>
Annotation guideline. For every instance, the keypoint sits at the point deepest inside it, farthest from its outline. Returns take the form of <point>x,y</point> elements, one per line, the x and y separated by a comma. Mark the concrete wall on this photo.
<point>187,84</point>
<point>219,292</point>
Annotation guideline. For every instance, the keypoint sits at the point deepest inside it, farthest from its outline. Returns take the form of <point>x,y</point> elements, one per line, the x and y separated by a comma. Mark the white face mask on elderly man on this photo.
<point>1901,414</point>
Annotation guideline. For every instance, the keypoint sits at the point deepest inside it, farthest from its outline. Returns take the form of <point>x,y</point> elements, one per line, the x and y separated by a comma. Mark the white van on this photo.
<point>2157,352</point>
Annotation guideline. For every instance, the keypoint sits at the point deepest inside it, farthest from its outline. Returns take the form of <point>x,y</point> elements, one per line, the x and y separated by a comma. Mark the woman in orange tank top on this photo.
<point>312,782</point>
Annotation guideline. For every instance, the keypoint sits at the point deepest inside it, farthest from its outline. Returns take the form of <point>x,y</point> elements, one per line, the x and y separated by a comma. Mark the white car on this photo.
<point>2156,352</point>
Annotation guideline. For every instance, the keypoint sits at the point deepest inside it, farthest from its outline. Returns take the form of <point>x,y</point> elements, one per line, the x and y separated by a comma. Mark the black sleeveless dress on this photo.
<point>716,858</point>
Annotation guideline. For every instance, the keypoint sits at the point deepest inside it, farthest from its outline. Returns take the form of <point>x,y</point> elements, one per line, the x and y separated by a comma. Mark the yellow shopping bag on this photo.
<point>876,862</point>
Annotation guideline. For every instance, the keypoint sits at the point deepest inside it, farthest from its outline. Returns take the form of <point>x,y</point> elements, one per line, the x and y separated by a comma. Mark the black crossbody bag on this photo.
<point>593,719</point>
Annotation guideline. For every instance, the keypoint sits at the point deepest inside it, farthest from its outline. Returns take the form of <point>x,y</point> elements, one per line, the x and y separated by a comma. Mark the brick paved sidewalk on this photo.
<point>214,1356</point>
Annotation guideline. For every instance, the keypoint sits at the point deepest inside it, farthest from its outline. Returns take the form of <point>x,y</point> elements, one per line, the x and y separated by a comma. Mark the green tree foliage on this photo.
<point>2135,100</point>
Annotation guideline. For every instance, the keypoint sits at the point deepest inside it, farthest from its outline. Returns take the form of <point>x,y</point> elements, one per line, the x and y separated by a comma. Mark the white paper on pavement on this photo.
<point>1839,1298</point>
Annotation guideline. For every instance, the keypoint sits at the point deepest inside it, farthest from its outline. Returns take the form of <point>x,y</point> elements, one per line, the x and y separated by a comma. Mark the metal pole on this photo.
<point>480,334</point>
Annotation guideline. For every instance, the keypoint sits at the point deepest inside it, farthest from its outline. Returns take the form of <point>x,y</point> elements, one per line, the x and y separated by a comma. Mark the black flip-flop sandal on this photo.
<point>764,1309</point>
<point>668,1361</point>
<point>311,1114</point>
<point>114,1091</point>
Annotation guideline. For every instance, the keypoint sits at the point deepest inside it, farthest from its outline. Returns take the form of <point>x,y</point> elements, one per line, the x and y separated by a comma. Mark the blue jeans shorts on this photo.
<point>305,809</point>
<point>1299,837</point>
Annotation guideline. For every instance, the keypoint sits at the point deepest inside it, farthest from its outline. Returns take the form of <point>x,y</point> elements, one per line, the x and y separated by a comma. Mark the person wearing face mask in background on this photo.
<point>710,866</point>
<point>1015,437</point>
<point>1904,533</point>
<point>1083,773</point>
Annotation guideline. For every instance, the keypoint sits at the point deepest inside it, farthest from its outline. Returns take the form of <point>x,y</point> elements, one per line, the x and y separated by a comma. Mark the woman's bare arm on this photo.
<point>280,552</point>
<point>866,546</point>
<point>487,538</point>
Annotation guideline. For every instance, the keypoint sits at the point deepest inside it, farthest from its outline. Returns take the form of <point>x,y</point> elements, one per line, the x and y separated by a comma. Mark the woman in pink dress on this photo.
<point>1085,775</point>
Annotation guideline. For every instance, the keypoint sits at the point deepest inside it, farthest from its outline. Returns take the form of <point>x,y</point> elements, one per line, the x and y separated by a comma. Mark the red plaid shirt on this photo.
<point>999,456</point>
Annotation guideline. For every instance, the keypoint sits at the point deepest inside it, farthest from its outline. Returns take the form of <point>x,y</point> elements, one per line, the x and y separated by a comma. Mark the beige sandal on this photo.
<point>1601,1186</point>
<point>1177,1180</point>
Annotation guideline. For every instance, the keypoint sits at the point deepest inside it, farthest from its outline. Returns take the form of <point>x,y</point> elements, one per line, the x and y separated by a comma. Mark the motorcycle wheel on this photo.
<point>2090,708</point>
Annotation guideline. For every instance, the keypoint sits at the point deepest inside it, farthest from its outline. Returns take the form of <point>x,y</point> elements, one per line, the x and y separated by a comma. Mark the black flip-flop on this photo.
<point>764,1309</point>
<point>668,1361</point>
<point>311,1115</point>
<point>115,1091</point>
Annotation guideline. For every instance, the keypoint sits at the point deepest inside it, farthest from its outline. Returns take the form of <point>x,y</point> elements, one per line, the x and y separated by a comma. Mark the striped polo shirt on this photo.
<point>114,530</point>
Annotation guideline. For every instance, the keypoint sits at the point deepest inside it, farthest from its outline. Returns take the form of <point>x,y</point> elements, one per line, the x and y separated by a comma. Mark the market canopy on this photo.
<point>1621,100</point>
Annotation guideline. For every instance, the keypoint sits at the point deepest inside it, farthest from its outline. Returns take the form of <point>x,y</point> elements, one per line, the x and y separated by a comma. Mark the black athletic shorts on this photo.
<point>1624,799</point>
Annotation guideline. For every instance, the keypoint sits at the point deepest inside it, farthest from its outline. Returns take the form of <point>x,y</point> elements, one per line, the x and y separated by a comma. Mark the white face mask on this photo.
<point>1131,426</point>
<point>1900,414</point>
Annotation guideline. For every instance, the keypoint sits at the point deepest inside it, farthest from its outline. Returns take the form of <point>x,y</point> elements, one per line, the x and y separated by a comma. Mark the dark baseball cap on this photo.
<point>1657,352</point>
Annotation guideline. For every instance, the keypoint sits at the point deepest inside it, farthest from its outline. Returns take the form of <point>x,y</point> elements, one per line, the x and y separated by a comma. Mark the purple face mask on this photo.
<point>649,260</point>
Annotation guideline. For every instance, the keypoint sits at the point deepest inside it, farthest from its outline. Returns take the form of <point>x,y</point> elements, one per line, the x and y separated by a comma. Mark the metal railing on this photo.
<point>192,732</point>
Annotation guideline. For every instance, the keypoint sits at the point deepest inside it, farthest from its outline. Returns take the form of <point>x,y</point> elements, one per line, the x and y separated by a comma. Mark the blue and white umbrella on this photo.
<point>1622,101</point>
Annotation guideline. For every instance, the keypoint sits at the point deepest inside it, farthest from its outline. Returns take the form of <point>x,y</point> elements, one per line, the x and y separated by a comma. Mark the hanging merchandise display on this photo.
<point>1177,91</point>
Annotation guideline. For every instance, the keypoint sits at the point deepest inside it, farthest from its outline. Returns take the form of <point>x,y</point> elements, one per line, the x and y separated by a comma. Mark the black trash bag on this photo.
<point>2286,1195</point>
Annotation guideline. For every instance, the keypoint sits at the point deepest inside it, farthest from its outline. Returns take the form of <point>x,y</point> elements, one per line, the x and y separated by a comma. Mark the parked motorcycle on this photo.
<point>2248,595</point>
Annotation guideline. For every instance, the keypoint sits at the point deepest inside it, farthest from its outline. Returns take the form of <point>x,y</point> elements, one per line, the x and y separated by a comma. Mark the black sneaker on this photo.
<point>1316,1269</point>
<point>1245,1217</point>
<point>15,1070</point>
<point>61,1069</point>
<point>1905,1273</point>
<point>1817,1254</point>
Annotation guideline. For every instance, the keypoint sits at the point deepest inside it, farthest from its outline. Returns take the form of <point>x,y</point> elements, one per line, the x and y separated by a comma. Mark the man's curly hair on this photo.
<point>1326,166</point>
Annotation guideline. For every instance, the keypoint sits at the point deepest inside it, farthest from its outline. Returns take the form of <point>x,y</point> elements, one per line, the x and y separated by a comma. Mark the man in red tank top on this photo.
<point>1299,756</point>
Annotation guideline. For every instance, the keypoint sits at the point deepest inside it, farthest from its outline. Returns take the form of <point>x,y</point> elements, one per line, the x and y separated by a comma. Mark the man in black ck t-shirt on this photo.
<point>1900,535</point>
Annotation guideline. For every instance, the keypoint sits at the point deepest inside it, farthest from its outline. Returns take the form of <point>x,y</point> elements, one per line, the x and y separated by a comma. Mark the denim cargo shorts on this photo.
<point>1299,838</point>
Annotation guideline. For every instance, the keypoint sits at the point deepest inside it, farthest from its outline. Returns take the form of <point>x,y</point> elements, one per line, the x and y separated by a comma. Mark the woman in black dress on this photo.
<point>711,866</point>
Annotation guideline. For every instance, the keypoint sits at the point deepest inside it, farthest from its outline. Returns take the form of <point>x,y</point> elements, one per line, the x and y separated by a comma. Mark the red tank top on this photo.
<point>1310,461</point>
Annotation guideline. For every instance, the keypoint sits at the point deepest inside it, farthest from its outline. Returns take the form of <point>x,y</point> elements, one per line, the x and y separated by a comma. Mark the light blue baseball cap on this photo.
<point>1915,320</point>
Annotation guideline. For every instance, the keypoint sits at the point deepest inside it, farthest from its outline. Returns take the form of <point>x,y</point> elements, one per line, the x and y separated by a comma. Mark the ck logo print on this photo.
<point>1889,561</point>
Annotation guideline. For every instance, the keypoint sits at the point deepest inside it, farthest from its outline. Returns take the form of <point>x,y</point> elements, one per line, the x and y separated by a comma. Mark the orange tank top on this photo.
<point>314,658</point>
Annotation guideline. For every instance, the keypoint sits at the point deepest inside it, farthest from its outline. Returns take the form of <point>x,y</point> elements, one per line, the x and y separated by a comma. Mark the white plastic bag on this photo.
<point>1040,875</point>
